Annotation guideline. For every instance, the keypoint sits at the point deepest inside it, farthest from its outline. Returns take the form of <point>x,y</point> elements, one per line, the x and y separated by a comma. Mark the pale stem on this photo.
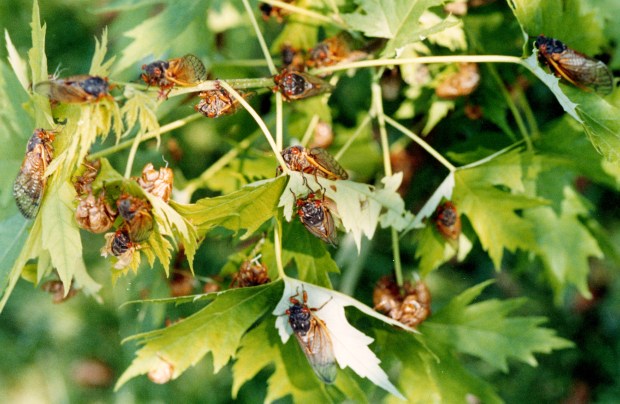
<point>149,135</point>
<point>240,63</point>
<point>222,162</point>
<point>261,39</point>
<point>310,130</point>
<point>132,153</point>
<point>421,60</point>
<point>355,135</point>
<point>316,17</point>
<point>210,85</point>
<point>421,143</point>
<point>279,122</point>
<point>277,243</point>
<point>259,121</point>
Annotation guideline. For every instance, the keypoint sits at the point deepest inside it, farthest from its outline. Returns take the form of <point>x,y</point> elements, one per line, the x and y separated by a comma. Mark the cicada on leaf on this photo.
<point>448,221</point>
<point>313,337</point>
<point>317,218</point>
<point>75,89</point>
<point>137,214</point>
<point>574,67</point>
<point>314,161</point>
<point>29,185</point>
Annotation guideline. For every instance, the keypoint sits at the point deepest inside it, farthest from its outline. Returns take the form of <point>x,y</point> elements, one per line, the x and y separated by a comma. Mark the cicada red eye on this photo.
<point>461,83</point>
<point>137,214</point>
<point>295,85</point>
<point>574,67</point>
<point>315,161</point>
<point>448,221</point>
<point>75,89</point>
<point>29,185</point>
<point>313,337</point>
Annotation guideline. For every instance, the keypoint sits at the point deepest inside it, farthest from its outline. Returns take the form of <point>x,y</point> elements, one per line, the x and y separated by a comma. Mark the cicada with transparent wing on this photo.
<point>75,89</point>
<point>315,215</point>
<point>314,161</point>
<point>216,103</point>
<point>185,71</point>
<point>137,214</point>
<point>29,185</point>
<point>295,85</point>
<point>313,337</point>
<point>574,67</point>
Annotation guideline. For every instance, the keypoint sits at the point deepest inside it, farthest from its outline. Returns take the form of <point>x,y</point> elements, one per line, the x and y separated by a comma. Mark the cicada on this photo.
<point>75,89</point>
<point>292,59</point>
<point>411,307</point>
<point>576,68</point>
<point>461,83</point>
<point>137,214</point>
<point>57,289</point>
<point>94,213</point>
<point>29,185</point>
<point>158,183</point>
<point>216,103</point>
<point>251,273</point>
<point>332,51</point>
<point>314,161</point>
<point>185,71</point>
<point>448,221</point>
<point>120,245</point>
<point>313,337</point>
<point>299,85</point>
<point>83,183</point>
<point>317,218</point>
<point>268,11</point>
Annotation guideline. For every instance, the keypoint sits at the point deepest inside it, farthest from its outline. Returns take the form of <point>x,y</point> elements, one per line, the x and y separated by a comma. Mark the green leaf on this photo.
<point>486,331</point>
<point>560,19</point>
<point>566,249</point>
<point>157,34</point>
<point>398,20</point>
<point>431,376</point>
<point>98,67</point>
<point>217,328</point>
<point>245,209</point>
<point>433,250</point>
<point>492,211</point>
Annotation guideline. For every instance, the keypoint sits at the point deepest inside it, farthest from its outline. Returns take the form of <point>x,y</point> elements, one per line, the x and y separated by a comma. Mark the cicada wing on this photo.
<point>326,163</point>
<point>29,185</point>
<point>583,71</point>
<point>61,91</point>
<point>323,230</point>
<point>186,71</point>
<point>318,348</point>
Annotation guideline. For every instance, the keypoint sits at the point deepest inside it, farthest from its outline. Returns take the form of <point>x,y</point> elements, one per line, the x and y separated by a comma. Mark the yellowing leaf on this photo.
<point>217,328</point>
<point>98,67</point>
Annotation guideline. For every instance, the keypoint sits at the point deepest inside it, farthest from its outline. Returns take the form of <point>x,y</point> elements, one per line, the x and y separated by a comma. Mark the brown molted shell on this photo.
<point>157,182</point>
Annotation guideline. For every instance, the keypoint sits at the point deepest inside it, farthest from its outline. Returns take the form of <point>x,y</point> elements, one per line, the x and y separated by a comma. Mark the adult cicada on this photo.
<point>185,71</point>
<point>314,161</point>
<point>75,89</point>
<point>294,85</point>
<point>313,337</point>
<point>316,217</point>
<point>574,67</point>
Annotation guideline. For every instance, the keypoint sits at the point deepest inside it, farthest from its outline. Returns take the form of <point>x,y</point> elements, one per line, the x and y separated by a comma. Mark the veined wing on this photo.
<point>317,346</point>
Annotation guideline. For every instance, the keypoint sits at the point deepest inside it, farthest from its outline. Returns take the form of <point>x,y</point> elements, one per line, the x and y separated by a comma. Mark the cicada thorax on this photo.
<point>75,89</point>
<point>574,67</point>
<point>448,221</point>
<point>315,215</point>
<point>157,182</point>
<point>251,273</point>
<point>294,85</point>
<point>136,213</point>
<point>411,305</point>
<point>30,182</point>
<point>313,337</point>
<point>315,161</point>
<point>461,83</point>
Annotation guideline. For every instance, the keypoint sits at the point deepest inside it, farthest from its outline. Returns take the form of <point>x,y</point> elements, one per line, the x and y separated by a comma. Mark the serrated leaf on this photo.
<point>140,108</point>
<point>486,331</point>
<point>443,191</point>
<point>217,328</point>
<point>398,20</point>
<point>433,250</point>
<point>242,211</point>
<point>97,66</point>
<point>491,211</point>
<point>431,377</point>
<point>561,19</point>
<point>19,66</point>
<point>360,207</point>
<point>565,244</point>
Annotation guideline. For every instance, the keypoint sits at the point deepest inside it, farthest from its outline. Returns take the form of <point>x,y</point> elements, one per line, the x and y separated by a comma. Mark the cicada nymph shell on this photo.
<point>57,290</point>
<point>157,182</point>
<point>29,186</point>
<point>332,51</point>
<point>95,214</point>
<point>411,307</point>
<point>216,103</point>
<point>461,83</point>
<point>251,273</point>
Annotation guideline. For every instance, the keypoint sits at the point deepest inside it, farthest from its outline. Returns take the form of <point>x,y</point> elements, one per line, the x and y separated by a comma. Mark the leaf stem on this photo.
<point>132,153</point>
<point>355,135</point>
<point>310,130</point>
<point>261,39</point>
<point>259,121</point>
<point>421,143</point>
<point>279,122</point>
<point>277,244</point>
<point>421,60</point>
<point>210,85</point>
<point>149,135</point>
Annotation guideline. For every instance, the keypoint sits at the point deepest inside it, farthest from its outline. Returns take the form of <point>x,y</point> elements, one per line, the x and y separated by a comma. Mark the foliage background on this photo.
<point>46,346</point>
